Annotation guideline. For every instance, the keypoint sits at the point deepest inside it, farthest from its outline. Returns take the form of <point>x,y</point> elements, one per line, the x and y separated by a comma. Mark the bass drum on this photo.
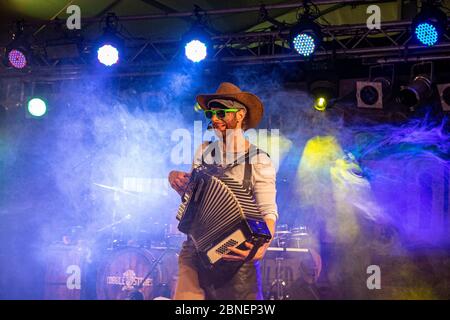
<point>124,269</point>
<point>65,265</point>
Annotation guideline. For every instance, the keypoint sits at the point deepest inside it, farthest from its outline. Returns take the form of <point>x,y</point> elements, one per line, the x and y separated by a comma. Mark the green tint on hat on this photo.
<point>230,104</point>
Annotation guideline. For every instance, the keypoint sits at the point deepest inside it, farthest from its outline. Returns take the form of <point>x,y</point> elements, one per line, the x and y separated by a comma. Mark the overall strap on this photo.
<point>210,149</point>
<point>247,181</point>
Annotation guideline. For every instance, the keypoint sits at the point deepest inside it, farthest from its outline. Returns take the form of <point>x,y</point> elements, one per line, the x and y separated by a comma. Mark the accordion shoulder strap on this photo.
<point>248,167</point>
<point>256,245</point>
<point>210,149</point>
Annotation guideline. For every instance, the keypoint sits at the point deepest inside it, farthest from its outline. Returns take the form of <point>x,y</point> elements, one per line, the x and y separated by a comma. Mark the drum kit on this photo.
<point>136,273</point>
<point>285,275</point>
<point>128,259</point>
<point>143,265</point>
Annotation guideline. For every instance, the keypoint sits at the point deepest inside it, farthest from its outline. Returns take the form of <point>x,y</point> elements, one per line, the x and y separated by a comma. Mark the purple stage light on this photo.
<point>17,59</point>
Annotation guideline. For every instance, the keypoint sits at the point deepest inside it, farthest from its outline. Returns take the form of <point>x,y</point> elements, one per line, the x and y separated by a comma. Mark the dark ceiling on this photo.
<point>38,12</point>
<point>148,20</point>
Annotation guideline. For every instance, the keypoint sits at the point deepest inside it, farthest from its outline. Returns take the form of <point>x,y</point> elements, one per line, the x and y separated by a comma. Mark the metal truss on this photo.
<point>393,42</point>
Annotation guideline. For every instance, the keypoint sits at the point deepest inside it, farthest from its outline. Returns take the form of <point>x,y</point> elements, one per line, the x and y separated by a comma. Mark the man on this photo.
<point>231,111</point>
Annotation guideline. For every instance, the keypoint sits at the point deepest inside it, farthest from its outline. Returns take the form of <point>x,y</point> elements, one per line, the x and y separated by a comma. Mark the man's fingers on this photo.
<point>178,175</point>
<point>181,182</point>
<point>249,245</point>
<point>176,184</point>
<point>242,253</point>
<point>184,181</point>
<point>185,177</point>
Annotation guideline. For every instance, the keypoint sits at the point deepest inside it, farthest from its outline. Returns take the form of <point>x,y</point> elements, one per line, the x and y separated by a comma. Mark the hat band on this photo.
<point>231,104</point>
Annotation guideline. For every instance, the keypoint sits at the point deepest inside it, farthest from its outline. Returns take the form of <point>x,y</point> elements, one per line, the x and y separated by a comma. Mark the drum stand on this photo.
<point>278,286</point>
<point>135,294</point>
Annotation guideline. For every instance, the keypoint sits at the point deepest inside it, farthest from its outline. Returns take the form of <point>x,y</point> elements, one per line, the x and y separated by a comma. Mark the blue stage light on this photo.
<point>304,44</point>
<point>305,37</point>
<point>427,34</point>
<point>108,55</point>
<point>110,47</point>
<point>429,25</point>
<point>197,43</point>
<point>195,50</point>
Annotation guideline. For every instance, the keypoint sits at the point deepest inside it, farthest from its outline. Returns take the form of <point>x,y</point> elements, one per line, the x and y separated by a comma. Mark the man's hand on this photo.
<point>178,180</point>
<point>241,255</point>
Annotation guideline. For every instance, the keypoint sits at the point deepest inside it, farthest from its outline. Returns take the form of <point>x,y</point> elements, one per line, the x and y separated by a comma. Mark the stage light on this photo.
<point>305,37</point>
<point>195,51</point>
<point>196,43</point>
<point>324,93</point>
<point>321,104</point>
<point>17,51</point>
<point>17,59</point>
<point>37,107</point>
<point>109,47</point>
<point>108,55</point>
<point>369,93</point>
<point>426,33</point>
<point>429,25</point>
<point>304,44</point>
<point>375,92</point>
<point>416,92</point>
<point>444,95</point>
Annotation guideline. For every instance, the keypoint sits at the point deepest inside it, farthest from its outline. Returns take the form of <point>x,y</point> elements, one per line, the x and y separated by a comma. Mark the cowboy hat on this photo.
<point>229,91</point>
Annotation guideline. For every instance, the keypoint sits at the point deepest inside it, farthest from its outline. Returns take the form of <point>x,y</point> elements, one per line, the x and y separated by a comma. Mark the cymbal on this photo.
<point>282,232</point>
<point>278,249</point>
<point>115,189</point>
<point>299,234</point>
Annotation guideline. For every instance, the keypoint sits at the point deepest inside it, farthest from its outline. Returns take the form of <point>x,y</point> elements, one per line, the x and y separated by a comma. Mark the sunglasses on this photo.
<point>220,113</point>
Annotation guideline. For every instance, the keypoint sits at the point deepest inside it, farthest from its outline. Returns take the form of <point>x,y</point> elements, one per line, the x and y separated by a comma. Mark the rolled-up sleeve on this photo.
<point>264,187</point>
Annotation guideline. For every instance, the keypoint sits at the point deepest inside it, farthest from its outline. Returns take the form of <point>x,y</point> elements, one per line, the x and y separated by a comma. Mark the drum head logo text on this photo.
<point>128,280</point>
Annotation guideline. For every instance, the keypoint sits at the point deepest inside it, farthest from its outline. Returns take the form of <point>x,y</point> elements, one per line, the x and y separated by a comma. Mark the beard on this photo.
<point>222,126</point>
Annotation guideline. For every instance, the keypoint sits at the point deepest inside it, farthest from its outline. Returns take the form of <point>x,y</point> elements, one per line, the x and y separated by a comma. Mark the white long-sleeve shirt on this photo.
<point>263,176</point>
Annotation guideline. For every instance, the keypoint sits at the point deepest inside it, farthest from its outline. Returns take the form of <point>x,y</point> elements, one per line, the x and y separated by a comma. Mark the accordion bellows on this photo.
<point>218,212</point>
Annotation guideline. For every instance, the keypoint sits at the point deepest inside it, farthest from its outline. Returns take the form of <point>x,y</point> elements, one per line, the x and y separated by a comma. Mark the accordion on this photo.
<point>217,212</point>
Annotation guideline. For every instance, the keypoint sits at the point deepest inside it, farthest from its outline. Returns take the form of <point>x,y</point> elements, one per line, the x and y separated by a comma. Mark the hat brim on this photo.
<point>255,109</point>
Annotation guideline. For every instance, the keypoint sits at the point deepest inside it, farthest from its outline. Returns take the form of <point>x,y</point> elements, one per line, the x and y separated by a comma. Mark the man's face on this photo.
<point>232,120</point>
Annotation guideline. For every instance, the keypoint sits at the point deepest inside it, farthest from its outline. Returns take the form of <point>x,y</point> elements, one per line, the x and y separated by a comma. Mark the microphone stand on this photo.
<point>136,294</point>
